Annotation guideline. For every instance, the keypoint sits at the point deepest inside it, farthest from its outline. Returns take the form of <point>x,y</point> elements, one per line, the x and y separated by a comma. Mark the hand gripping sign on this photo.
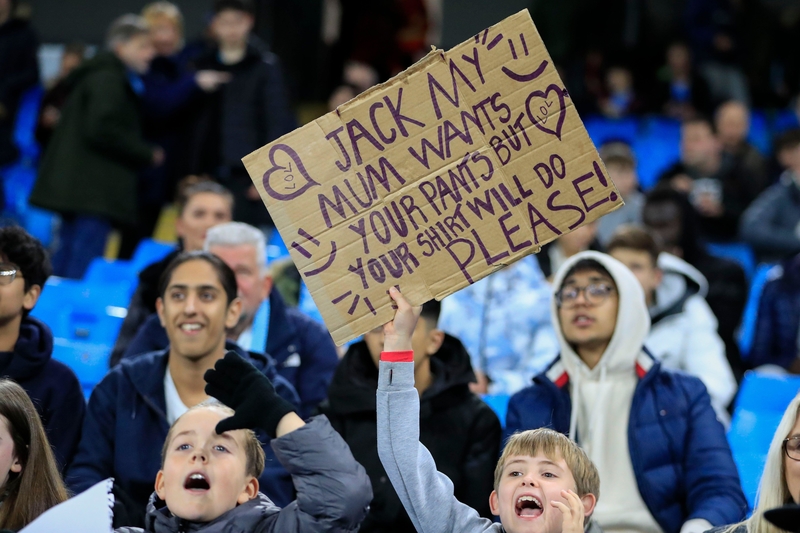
<point>460,165</point>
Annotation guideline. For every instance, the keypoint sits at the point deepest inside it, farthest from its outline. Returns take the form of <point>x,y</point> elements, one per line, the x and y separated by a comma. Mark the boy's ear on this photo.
<point>160,310</point>
<point>31,297</point>
<point>494,504</point>
<point>160,485</point>
<point>435,340</point>
<point>589,501</point>
<point>249,492</point>
<point>233,313</point>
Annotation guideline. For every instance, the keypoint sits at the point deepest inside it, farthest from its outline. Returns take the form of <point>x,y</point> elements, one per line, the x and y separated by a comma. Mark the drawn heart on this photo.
<point>287,181</point>
<point>543,115</point>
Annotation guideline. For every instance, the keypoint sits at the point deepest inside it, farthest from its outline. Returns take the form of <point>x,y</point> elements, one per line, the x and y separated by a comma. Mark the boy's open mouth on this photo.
<point>528,506</point>
<point>196,481</point>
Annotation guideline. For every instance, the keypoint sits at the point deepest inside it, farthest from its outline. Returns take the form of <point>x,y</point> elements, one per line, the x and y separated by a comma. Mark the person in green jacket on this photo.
<point>89,170</point>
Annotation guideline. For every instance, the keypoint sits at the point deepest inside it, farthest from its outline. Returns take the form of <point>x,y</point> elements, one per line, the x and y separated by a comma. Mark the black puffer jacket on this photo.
<point>462,433</point>
<point>332,492</point>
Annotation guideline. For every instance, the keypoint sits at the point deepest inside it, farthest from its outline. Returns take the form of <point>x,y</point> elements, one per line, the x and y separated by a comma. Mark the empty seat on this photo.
<point>88,360</point>
<point>736,251</point>
<point>149,251</point>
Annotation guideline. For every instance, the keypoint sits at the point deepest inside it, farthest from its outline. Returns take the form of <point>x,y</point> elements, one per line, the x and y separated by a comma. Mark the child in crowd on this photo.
<point>212,459</point>
<point>541,478</point>
<point>621,165</point>
<point>30,482</point>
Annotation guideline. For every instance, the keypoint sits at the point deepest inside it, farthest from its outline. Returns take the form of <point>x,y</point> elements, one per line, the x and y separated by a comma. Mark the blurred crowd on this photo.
<point>655,312</point>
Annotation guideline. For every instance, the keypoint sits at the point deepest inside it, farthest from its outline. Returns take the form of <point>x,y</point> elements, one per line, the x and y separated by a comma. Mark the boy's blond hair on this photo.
<point>553,445</point>
<point>252,447</point>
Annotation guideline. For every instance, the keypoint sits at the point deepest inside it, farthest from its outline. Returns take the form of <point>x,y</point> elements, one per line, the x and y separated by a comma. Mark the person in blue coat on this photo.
<point>653,435</point>
<point>302,348</point>
<point>26,344</point>
<point>131,410</point>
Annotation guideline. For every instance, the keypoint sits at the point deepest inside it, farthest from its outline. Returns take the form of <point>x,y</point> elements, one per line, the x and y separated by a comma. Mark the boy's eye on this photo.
<point>183,447</point>
<point>220,448</point>
<point>515,474</point>
<point>207,296</point>
<point>549,475</point>
<point>177,296</point>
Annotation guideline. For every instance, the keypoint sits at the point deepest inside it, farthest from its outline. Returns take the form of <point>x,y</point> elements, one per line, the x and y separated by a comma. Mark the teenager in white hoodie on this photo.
<point>683,331</point>
<point>660,451</point>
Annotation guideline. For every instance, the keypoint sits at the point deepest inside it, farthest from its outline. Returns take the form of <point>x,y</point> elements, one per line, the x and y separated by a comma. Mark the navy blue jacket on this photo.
<point>302,348</point>
<point>126,425</point>
<point>776,335</point>
<point>681,459</point>
<point>52,386</point>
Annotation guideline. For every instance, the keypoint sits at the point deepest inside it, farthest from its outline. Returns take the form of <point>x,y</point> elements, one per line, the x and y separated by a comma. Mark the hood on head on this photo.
<point>681,281</point>
<point>633,320</point>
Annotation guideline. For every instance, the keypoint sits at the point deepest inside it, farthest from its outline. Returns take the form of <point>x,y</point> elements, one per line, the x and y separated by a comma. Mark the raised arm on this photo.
<point>427,494</point>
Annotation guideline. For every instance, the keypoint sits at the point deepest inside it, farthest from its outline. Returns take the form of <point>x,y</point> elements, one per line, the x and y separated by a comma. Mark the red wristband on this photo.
<point>398,357</point>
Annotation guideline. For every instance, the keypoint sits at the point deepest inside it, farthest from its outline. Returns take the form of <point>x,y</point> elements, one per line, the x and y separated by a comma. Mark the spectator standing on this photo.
<point>246,113</point>
<point>653,435</point>
<point>56,95</point>
<point>670,218</point>
<point>26,344</point>
<point>503,322</point>
<point>89,171</point>
<point>681,93</point>
<point>771,225</point>
<point>621,99</point>
<point>777,333</point>
<point>621,165</point>
<point>131,409</point>
<point>170,102</point>
<point>732,122</point>
<point>462,433</point>
<point>19,71</point>
<point>719,190</point>
<point>302,348</point>
<point>200,206</point>
<point>683,332</point>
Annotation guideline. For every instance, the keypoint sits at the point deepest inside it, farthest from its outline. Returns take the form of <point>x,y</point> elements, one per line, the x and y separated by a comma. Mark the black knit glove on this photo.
<point>242,387</point>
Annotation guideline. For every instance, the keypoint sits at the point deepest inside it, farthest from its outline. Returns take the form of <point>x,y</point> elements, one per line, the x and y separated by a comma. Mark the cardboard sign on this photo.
<point>460,165</point>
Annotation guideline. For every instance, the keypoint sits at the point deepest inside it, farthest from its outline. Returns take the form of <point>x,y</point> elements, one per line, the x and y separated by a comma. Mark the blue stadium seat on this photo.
<point>602,129</point>
<point>102,270</point>
<point>499,404</point>
<point>88,360</point>
<point>654,155</point>
<point>276,248</point>
<point>25,125</point>
<point>306,304</point>
<point>747,329</point>
<point>736,251</point>
<point>760,405</point>
<point>149,251</point>
<point>784,120</point>
<point>759,135</point>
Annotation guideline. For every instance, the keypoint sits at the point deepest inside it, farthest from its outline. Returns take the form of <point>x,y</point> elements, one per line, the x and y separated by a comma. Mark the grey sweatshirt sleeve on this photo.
<point>427,494</point>
<point>333,490</point>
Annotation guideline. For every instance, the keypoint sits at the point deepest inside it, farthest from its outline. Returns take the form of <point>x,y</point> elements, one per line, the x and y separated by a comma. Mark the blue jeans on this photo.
<point>82,238</point>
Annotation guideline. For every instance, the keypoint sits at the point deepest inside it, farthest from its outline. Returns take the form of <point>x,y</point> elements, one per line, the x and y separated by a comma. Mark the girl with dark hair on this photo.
<point>30,482</point>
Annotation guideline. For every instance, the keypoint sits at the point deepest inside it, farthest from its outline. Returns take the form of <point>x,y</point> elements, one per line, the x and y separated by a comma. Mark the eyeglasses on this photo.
<point>791,447</point>
<point>8,273</point>
<point>595,294</point>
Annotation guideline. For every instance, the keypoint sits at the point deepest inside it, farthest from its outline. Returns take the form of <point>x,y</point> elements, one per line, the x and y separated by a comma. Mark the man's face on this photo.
<point>733,124</point>
<point>232,27</point>
<point>425,341</point>
<point>165,35</point>
<point>663,220</point>
<point>698,144</point>
<point>541,479</point>
<point>253,285</point>
<point>586,323</point>
<point>195,312</point>
<point>624,177</point>
<point>642,266</point>
<point>137,53</point>
<point>204,474</point>
<point>14,299</point>
<point>203,211</point>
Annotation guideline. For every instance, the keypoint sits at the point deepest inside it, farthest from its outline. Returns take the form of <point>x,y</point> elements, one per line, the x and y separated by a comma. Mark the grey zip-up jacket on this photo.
<point>333,492</point>
<point>427,494</point>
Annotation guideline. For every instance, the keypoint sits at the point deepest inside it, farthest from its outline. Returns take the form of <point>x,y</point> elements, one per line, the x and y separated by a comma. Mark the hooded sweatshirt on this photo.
<point>602,399</point>
<point>683,335</point>
<point>52,386</point>
<point>461,432</point>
